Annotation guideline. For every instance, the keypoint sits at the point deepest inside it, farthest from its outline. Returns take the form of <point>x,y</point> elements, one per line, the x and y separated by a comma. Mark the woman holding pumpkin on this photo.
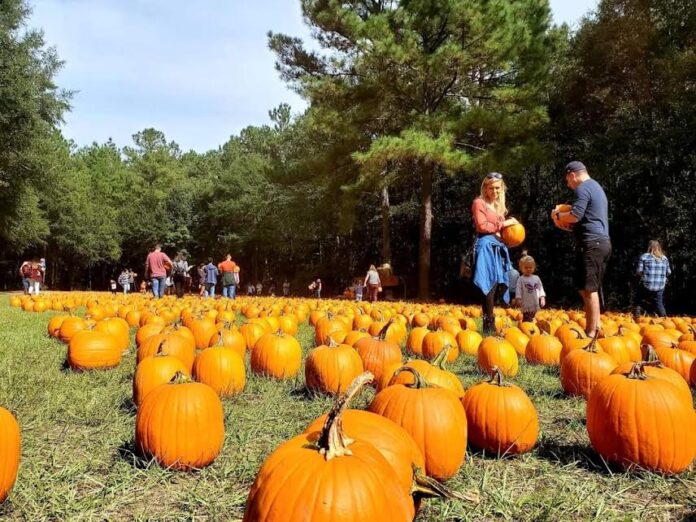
<point>491,256</point>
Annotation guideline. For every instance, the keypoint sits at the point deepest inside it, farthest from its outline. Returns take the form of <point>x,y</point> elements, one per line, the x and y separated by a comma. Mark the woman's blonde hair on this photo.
<point>527,260</point>
<point>655,249</point>
<point>498,204</point>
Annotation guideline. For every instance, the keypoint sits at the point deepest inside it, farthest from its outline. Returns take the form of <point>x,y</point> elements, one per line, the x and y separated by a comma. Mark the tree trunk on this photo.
<point>426,230</point>
<point>386,227</point>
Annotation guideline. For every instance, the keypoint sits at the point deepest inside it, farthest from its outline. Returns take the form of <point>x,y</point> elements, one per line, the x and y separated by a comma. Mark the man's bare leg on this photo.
<point>591,307</point>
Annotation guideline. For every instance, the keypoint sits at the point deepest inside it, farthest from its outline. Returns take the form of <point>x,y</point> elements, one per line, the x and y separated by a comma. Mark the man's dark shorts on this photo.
<point>591,264</point>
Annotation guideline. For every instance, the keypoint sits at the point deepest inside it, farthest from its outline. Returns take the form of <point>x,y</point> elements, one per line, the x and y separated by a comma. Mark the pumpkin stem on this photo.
<point>441,358</point>
<point>638,370</point>
<point>332,441</point>
<point>383,332</point>
<point>419,381</point>
<point>280,332</point>
<point>497,377</point>
<point>160,348</point>
<point>330,342</point>
<point>650,353</point>
<point>179,378</point>
<point>426,487</point>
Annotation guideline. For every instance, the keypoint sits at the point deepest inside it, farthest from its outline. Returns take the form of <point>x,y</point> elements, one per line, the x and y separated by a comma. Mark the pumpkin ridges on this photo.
<point>500,417</point>
<point>181,424</point>
<point>297,482</point>
<point>410,407</point>
<point>626,425</point>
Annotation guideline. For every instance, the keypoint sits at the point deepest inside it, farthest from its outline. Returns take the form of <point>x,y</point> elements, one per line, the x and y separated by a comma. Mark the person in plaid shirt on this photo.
<point>653,269</point>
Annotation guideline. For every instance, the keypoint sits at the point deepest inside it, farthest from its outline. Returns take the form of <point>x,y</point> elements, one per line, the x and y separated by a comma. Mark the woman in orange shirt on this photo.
<point>491,256</point>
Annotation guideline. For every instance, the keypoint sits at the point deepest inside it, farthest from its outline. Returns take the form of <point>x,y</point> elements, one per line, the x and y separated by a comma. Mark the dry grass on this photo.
<point>78,459</point>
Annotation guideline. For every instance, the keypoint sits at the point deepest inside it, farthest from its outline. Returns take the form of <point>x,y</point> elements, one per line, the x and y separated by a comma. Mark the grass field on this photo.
<point>78,458</point>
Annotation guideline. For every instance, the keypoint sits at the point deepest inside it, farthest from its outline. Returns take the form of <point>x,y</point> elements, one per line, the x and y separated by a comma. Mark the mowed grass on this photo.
<point>79,463</point>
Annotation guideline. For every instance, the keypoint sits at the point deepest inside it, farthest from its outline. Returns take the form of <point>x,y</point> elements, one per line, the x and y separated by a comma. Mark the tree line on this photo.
<point>410,103</point>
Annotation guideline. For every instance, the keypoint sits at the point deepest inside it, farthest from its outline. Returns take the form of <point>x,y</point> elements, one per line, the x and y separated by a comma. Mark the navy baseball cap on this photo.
<point>574,166</point>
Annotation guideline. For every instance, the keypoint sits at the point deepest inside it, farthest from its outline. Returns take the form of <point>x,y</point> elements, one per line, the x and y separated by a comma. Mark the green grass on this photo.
<point>78,458</point>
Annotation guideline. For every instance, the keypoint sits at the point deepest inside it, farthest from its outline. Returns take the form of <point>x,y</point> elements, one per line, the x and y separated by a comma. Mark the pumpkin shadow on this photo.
<point>583,457</point>
<point>128,452</point>
<point>303,393</point>
<point>128,406</point>
<point>6,508</point>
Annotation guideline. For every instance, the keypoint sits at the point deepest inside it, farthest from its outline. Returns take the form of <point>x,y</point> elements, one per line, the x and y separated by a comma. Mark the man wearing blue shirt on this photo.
<point>588,219</point>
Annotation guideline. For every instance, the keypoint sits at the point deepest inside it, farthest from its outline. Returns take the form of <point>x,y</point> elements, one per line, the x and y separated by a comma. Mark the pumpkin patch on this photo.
<point>195,383</point>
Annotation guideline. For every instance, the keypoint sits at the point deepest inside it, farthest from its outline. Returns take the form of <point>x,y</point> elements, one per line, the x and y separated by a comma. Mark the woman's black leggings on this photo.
<point>489,302</point>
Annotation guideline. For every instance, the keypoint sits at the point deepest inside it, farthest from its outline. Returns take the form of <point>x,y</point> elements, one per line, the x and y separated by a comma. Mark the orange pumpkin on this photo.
<point>659,435</point>
<point>173,344</point>
<point>181,424</point>
<point>500,417</point>
<point>513,235</point>
<point>433,373</point>
<point>332,368</point>
<point>376,353</point>
<point>433,416</point>
<point>583,368</point>
<point>543,349</point>
<point>155,371</point>
<point>90,350</point>
<point>222,369</point>
<point>10,451</point>
<point>276,355</point>
<point>497,352</point>
<point>435,342</point>
<point>304,479</point>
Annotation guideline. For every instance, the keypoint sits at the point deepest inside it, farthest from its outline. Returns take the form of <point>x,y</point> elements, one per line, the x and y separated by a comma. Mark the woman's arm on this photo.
<point>486,220</point>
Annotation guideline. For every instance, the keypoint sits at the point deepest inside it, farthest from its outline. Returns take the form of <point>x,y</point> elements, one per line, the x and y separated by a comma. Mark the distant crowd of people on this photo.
<point>493,272</point>
<point>33,274</point>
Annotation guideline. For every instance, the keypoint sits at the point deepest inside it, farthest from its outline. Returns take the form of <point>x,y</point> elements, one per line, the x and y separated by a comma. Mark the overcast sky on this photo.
<point>198,71</point>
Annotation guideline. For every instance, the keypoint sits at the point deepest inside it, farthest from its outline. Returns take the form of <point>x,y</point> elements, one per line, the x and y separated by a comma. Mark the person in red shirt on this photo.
<point>492,259</point>
<point>229,272</point>
<point>156,265</point>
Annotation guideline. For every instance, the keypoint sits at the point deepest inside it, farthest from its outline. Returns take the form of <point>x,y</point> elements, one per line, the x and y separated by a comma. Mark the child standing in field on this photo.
<point>358,287</point>
<point>530,295</point>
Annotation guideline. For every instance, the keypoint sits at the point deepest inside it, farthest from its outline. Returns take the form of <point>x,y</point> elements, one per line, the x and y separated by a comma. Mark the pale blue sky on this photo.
<point>198,71</point>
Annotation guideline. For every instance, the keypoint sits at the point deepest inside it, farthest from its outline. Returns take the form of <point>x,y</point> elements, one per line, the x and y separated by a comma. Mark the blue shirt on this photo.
<point>492,263</point>
<point>211,273</point>
<point>591,208</point>
<point>653,271</point>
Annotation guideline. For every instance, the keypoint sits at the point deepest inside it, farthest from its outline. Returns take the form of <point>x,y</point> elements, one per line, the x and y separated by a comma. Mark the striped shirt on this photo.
<point>653,271</point>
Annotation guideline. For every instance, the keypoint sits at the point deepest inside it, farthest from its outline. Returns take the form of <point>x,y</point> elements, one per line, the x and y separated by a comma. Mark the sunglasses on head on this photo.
<point>494,175</point>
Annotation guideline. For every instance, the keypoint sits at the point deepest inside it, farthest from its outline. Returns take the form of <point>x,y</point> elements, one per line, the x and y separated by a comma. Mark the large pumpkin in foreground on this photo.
<point>324,476</point>
<point>643,421</point>
<point>10,449</point>
<point>180,424</point>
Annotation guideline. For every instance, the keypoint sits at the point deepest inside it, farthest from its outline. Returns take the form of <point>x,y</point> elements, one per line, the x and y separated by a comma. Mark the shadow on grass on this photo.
<point>575,454</point>
<point>305,394</point>
<point>128,452</point>
<point>6,509</point>
<point>128,406</point>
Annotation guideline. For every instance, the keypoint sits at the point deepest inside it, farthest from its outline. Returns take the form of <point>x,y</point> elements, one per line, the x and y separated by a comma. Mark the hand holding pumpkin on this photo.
<point>558,218</point>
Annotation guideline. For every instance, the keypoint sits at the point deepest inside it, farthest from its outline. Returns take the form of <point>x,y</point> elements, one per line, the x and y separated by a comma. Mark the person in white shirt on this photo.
<point>529,294</point>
